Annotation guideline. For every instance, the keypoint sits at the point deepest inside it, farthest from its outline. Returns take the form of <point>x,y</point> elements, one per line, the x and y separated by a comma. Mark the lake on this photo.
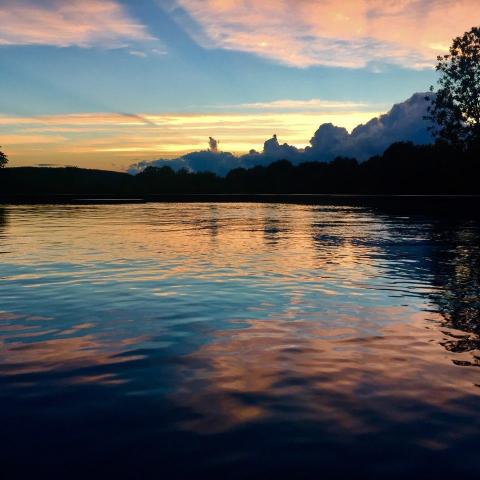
<point>238,340</point>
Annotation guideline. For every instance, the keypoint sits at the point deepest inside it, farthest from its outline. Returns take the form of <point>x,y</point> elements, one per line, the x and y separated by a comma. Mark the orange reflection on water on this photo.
<point>73,355</point>
<point>304,371</point>
<point>264,312</point>
<point>197,235</point>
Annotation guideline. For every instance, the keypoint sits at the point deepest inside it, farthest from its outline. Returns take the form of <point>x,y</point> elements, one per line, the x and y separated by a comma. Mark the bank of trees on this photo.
<point>404,168</point>
<point>3,159</point>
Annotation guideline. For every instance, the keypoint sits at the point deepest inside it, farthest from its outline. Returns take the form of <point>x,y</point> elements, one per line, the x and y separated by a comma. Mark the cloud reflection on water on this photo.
<point>350,321</point>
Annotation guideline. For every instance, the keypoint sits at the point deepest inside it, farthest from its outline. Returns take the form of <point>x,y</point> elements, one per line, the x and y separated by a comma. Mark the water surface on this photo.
<point>238,341</point>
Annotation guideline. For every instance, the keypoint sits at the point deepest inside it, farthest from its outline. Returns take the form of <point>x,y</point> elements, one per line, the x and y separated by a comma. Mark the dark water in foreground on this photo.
<point>237,341</point>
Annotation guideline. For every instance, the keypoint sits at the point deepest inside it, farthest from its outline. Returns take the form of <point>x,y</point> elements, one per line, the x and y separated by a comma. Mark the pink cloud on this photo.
<point>350,33</point>
<point>83,23</point>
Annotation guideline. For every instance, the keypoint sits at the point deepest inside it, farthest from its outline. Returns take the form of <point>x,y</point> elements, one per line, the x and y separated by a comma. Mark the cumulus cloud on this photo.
<point>272,151</point>
<point>203,161</point>
<point>350,33</point>
<point>206,160</point>
<point>329,141</point>
<point>404,122</point>
<point>83,23</point>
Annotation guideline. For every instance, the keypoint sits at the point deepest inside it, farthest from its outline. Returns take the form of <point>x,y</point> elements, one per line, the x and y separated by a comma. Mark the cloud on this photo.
<point>205,160</point>
<point>158,51</point>
<point>11,140</point>
<point>52,165</point>
<point>141,118</point>
<point>272,151</point>
<point>137,53</point>
<point>83,23</point>
<point>350,33</point>
<point>404,122</point>
<point>314,104</point>
<point>147,52</point>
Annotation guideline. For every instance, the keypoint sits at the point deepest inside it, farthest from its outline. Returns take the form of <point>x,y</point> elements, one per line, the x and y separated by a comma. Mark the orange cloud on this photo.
<point>83,23</point>
<point>351,33</point>
<point>31,139</point>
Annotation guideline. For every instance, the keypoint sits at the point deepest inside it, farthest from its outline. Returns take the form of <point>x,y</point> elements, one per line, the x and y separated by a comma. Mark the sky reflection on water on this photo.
<point>247,338</point>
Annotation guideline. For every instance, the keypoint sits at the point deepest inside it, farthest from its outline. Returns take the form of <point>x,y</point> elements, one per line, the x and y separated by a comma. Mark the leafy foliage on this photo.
<point>404,168</point>
<point>455,110</point>
<point>3,159</point>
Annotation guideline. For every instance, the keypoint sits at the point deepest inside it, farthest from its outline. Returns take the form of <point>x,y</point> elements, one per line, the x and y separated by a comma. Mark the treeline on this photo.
<point>26,181</point>
<point>404,168</point>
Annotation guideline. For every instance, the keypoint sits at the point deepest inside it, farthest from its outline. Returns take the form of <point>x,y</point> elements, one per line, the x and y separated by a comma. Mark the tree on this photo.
<point>3,159</point>
<point>455,109</point>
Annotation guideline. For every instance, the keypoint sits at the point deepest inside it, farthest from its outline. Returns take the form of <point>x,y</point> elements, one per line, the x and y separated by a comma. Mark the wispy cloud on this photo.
<point>350,33</point>
<point>147,52</point>
<point>314,104</point>
<point>138,53</point>
<point>83,23</point>
<point>22,139</point>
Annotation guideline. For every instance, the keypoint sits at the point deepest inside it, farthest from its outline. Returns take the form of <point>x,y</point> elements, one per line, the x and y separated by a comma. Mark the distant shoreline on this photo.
<point>470,202</point>
<point>433,177</point>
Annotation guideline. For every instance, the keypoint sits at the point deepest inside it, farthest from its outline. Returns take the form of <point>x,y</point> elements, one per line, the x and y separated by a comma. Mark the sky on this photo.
<point>109,83</point>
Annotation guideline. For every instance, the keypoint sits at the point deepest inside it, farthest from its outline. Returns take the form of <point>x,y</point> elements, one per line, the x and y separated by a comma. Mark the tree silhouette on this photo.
<point>3,159</point>
<point>455,110</point>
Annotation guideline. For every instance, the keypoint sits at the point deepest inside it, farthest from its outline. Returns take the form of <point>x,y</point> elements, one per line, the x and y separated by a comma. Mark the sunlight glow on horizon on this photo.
<point>116,141</point>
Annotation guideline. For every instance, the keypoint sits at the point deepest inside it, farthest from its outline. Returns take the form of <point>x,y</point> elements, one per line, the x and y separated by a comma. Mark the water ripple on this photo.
<point>251,338</point>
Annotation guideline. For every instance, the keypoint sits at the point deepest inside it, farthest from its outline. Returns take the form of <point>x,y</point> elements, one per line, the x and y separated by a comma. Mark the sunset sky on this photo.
<point>106,83</point>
